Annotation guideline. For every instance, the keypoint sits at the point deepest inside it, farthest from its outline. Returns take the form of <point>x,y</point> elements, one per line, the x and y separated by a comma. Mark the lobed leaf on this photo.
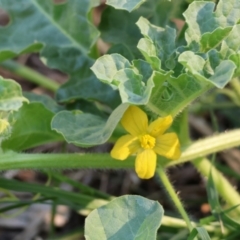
<point>108,65</point>
<point>148,50</point>
<point>230,48</point>
<point>119,72</point>
<point>162,39</point>
<point>126,217</point>
<point>221,75</point>
<point>174,76</point>
<point>231,44</point>
<point>210,27</point>
<point>119,27</point>
<point>143,68</point>
<point>131,87</point>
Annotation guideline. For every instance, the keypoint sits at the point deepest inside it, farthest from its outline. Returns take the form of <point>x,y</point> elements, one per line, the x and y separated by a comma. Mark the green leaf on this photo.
<point>117,71</point>
<point>127,217</point>
<point>169,91</point>
<point>212,40</point>
<point>148,50</point>
<point>170,95</point>
<point>163,93</point>
<point>121,49</point>
<point>193,63</point>
<point>6,54</point>
<point>47,17</point>
<point>163,40</point>
<point>31,127</point>
<point>10,95</point>
<point>66,48</point>
<point>203,22</point>
<point>132,88</point>
<point>85,86</point>
<point>128,5</point>
<point>84,129</point>
<point>143,68</point>
<point>231,44</point>
<point>85,106</point>
<point>108,65</point>
<point>230,48</point>
<point>119,26</point>
<point>82,83</point>
<point>47,101</point>
<point>222,74</point>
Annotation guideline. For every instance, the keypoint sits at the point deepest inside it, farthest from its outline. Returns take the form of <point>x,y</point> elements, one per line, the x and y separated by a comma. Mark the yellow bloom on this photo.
<point>146,141</point>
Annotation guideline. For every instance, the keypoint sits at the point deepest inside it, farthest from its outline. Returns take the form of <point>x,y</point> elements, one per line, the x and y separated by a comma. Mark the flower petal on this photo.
<point>167,145</point>
<point>159,126</point>
<point>145,164</point>
<point>135,121</point>
<point>125,146</point>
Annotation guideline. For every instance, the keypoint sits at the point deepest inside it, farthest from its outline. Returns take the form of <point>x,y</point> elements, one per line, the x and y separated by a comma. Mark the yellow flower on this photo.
<point>146,141</point>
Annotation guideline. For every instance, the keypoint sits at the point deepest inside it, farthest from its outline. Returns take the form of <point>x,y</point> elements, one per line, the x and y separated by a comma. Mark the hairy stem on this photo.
<point>201,148</point>
<point>174,197</point>
<point>61,161</point>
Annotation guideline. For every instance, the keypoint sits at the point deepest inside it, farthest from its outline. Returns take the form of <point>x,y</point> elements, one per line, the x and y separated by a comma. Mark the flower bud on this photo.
<point>5,128</point>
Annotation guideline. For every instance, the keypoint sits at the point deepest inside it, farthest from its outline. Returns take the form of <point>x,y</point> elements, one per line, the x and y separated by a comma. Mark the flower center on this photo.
<point>147,141</point>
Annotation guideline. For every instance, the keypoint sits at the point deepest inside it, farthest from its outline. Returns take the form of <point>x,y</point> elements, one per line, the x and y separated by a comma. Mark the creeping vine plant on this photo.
<point>149,65</point>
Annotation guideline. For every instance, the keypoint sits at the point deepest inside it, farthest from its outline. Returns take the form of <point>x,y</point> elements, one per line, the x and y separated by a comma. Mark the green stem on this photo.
<point>183,130</point>
<point>174,197</point>
<point>225,189</point>
<point>61,161</point>
<point>197,149</point>
<point>30,75</point>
